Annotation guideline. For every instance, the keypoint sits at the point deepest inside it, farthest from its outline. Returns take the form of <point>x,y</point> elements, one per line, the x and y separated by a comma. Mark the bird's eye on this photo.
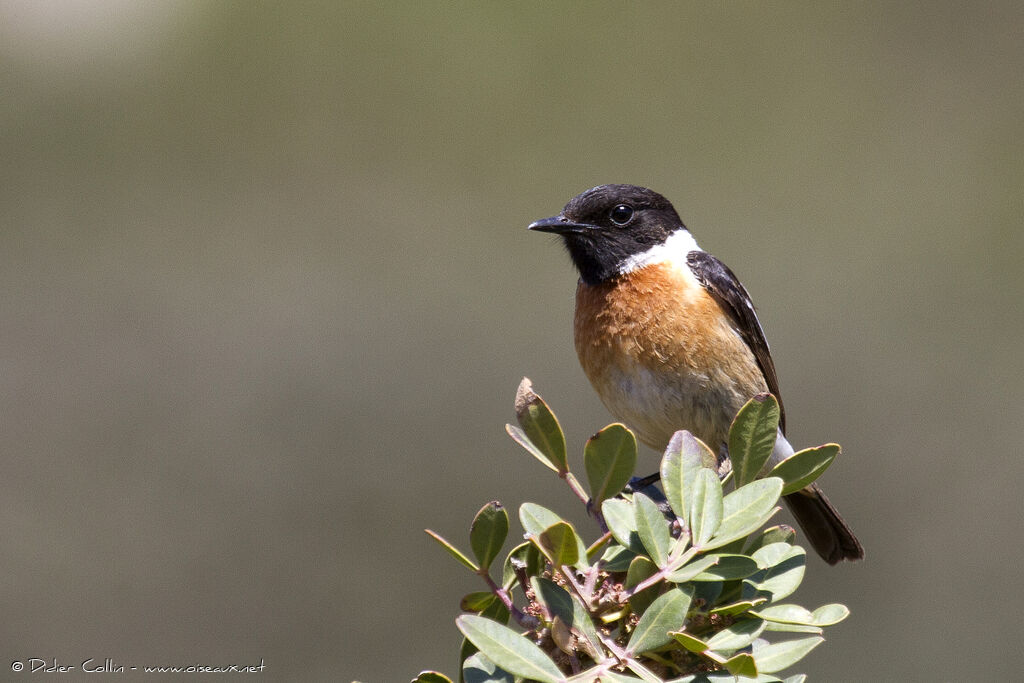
<point>621,214</point>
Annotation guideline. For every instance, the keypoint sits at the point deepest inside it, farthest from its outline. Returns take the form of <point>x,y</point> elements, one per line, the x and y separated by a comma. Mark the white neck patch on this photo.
<point>673,250</point>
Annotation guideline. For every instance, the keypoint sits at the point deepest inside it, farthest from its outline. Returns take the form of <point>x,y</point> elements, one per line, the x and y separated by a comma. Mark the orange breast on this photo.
<point>662,354</point>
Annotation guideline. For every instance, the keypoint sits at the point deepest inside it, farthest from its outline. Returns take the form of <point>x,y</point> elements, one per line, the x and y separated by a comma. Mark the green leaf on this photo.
<point>509,650</point>
<point>640,569</point>
<point>653,529</point>
<point>667,613</point>
<point>685,456</point>
<point>560,544</point>
<point>496,611</point>
<point>740,607</point>
<point>690,642</point>
<point>773,553</point>
<point>554,598</point>
<point>829,615</point>
<point>477,601</point>
<point>488,533</point>
<point>781,533</point>
<point>737,635</point>
<point>782,571</point>
<point>536,518</point>
<point>559,603</point>
<point>479,669</point>
<point>466,652</point>
<point>752,437</point>
<point>826,615</point>
<point>786,614</point>
<point>431,677</point>
<point>728,567</point>
<point>621,520</point>
<point>540,428</point>
<point>745,509</point>
<point>688,571</point>
<point>777,656</point>
<point>455,552</point>
<point>803,467</point>
<point>779,627</point>
<point>741,664</point>
<point>531,559</point>
<point>520,437</point>
<point>616,558</point>
<point>609,458</point>
<point>704,508</point>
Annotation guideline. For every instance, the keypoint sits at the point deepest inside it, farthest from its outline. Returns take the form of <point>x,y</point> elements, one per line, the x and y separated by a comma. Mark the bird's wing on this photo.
<point>730,294</point>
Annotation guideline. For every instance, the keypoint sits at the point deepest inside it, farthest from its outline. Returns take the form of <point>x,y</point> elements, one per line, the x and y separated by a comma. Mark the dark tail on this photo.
<point>825,529</point>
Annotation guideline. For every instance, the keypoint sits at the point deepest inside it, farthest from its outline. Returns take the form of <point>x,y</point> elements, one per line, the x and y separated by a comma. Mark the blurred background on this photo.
<point>267,293</point>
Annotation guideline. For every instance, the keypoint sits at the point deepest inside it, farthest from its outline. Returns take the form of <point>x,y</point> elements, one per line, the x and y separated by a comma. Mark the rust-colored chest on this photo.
<point>662,354</point>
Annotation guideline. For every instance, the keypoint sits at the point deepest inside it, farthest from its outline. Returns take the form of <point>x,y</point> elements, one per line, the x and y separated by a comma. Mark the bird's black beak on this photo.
<point>560,225</point>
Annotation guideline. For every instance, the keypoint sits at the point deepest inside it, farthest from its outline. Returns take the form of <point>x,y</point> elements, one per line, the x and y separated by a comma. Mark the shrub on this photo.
<point>682,583</point>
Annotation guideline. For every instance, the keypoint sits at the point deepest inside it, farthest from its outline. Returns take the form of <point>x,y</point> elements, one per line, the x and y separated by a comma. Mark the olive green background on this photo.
<point>266,293</point>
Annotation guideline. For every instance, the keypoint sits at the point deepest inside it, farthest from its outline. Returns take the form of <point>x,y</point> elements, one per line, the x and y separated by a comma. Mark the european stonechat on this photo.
<point>668,336</point>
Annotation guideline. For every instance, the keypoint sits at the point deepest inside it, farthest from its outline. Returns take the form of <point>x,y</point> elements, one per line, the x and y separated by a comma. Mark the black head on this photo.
<point>606,225</point>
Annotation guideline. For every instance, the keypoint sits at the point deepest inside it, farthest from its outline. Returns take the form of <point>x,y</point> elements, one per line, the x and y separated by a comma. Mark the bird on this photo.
<point>668,336</point>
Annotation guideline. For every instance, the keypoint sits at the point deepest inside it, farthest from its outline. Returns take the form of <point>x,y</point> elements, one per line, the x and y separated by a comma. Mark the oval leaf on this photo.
<point>783,570</point>
<point>452,550</point>
<point>691,643</point>
<point>786,614</point>
<point>741,665</point>
<point>752,437</point>
<point>553,597</point>
<point>781,533</point>
<point>621,520</point>
<point>508,649</point>
<point>746,508</point>
<point>737,635</point>
<point>688,571</point>
<point>728,567</point>
<point>826,615</point>
<point>540,427</point>
<point>488,533</point>
<point>536,518</point>
<point>685,456</point>
<point>735,608</point>
<point>704,507</point>
<point>477,601</point>
<point>640,569</point>
<point>667,613</point>
<point>652,527</point>
<point>803,467</point>
<point>617,558</point>
<point>829,615</point>
<point>777,656</point>
<point>520,437</point>
<point>570,611</point>
<point>560,544</point>
<point>609,458</point>
<point>479,669</point>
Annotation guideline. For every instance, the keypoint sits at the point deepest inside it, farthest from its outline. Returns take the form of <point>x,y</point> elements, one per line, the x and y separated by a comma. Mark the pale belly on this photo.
<point>656,404</point>
<point>663,357</point>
